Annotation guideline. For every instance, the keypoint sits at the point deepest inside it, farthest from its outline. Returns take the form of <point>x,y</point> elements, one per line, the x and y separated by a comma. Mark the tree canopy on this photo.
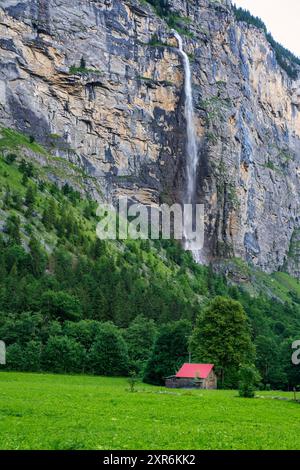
<point>222,336</point>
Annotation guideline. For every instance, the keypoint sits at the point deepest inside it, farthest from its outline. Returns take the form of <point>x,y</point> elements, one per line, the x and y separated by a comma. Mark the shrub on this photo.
<point>132,381</point>
<point>161,7</point>
<point>10,158</point>
<point>249,379</point>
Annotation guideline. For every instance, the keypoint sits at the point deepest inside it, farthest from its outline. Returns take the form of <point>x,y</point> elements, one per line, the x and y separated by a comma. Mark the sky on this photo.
<point>281,17</point>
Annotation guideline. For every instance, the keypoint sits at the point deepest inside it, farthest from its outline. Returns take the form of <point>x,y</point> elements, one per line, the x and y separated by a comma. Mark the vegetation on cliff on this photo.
<point>285,58</point>
<point>173,20</point>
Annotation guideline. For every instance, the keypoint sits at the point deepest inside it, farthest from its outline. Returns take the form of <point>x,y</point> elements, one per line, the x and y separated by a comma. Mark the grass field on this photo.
<point>75,412</point>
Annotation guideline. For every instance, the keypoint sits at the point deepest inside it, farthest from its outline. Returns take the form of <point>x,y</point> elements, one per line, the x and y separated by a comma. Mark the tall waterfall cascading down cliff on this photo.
<point>192,158</point>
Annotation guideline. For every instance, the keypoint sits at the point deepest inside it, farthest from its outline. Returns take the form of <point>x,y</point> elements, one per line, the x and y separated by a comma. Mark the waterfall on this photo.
<point>191,145</point>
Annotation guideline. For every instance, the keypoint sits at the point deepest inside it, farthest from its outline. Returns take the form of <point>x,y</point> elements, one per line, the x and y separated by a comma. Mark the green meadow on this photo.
<point>40,411</point>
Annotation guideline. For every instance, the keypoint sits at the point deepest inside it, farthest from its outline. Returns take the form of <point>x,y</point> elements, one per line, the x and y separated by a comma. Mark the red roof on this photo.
<point>191,371</point>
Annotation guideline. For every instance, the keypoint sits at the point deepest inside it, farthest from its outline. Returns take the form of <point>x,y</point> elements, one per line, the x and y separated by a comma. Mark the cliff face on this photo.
<point>99,83</point>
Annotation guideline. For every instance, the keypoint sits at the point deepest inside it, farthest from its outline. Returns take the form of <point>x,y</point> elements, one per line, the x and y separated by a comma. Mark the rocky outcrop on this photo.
<point>99,82</point>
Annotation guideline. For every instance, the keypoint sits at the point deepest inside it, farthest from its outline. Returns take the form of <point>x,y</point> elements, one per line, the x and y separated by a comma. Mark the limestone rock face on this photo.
<point>103,79</point>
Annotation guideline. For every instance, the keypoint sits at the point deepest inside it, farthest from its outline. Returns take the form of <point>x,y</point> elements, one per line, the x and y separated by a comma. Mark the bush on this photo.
<point>11,158</point>
<point>249,379</point>
<point>132,381</point>
<point>161,7</point>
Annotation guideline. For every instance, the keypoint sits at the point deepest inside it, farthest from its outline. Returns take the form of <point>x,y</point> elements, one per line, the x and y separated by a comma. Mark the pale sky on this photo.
<point>281,17</point>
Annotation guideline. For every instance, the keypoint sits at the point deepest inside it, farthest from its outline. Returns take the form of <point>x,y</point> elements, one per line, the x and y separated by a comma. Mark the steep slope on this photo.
<point>100,83</point>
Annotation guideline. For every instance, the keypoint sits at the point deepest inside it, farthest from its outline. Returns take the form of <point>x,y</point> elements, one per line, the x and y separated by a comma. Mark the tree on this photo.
<point>97,248</point>
<point>169,352</point>
<point>30,198</point>
<point>108,354</point>
<point>49,218</point>
<point>38,258</point>
<point>14,357</point>
<point>162,7</point>
<point>290,371</point>
<point>82,63</point>
<point>32,356</point>
<point>222,336</point>
<point>61,305</point>
<point>132,381</point>
<point>7,198</point>
<point>20,328</point>
<point>62,354</point>
<point>268,360</point>
<point>84,331</point>
<point>13,225</point>
<point>11,158</point>
<point>3,270</point>
<point>26,168</point>
<point>140,336</point>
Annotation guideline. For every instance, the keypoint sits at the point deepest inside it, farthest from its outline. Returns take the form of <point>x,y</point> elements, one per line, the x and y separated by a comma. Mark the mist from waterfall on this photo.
<point>191,144</point>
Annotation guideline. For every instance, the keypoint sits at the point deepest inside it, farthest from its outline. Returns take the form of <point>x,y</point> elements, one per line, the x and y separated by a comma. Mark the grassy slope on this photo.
<point>278,285</point>
<point>74,412</point>
<point>11,140</point>
<point>50,166</point>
